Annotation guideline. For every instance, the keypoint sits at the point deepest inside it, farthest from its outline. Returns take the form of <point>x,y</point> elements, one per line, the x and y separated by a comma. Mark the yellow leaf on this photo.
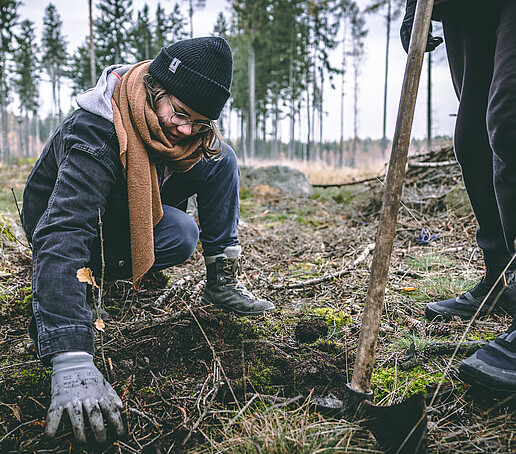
<point>86,275</point>
<point>99,324</point>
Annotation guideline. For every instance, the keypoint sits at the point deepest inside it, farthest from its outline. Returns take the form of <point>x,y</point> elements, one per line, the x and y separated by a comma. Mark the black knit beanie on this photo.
<point>196,71</point>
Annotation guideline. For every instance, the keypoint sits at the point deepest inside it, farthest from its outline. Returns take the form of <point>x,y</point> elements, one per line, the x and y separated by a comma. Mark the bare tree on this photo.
<point>92,47</point>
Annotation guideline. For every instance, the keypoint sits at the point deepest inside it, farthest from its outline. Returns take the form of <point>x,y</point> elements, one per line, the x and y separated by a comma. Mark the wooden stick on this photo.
<point>363,368</point>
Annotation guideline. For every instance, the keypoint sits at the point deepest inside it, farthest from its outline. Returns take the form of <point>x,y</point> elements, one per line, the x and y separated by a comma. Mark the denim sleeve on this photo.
<point>61,241</point>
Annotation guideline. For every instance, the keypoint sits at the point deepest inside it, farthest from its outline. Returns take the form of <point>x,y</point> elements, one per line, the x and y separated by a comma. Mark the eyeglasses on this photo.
<point>181,119</point>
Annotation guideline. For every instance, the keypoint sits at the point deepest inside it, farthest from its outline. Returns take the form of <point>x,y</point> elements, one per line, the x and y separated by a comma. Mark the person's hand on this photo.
<point>406,29</point>
<point>78,385</point>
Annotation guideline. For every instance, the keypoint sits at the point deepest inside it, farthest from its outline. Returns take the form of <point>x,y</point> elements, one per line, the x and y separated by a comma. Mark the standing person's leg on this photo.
<point>501,121</point>
<point>216,183</point>
<point>471,58</point>
<point>494,366</point>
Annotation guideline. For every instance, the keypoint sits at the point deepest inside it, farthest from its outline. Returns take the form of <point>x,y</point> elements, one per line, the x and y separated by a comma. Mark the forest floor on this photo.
<point>195,379</point>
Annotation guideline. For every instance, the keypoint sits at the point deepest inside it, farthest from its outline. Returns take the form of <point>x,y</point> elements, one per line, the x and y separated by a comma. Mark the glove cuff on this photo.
<point>66,357</point>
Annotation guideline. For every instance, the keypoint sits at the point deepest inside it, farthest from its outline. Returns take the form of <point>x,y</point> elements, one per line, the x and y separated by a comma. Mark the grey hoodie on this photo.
<point>97,100</point>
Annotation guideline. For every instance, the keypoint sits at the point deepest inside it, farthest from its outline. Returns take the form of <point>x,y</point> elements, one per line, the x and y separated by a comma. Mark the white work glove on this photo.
<point>78,384</point>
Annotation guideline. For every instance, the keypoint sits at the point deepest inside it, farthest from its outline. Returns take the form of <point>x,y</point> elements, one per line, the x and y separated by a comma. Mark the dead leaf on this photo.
<point>99,324</point>
<point>86,275</point>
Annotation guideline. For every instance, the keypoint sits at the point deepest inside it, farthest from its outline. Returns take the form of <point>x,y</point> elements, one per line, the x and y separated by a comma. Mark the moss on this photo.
<point>328,346</point>
<point>25,305</point>
<point>402,383</point>
<point>147,391</point>
<point>333,317</point>
<point>33,382</point>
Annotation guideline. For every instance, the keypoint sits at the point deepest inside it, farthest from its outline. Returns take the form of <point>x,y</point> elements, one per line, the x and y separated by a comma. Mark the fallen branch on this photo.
<point>300,284</point>
<point>445,348</point>
<point>350,183</point>
<point>432,164</point>
<point>177,285</point>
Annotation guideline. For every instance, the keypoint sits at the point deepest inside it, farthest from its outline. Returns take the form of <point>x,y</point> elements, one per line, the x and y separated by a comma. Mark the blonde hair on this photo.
<point>211,140</point>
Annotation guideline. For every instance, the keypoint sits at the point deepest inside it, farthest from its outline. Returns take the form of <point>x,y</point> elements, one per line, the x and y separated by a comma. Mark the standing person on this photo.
<point>481,48</point>
<point>142,142</point>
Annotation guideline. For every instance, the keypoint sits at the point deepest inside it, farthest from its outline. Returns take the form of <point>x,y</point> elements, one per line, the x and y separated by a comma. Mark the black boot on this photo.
<point>493,366</point>
<point>223,288</point>
<point>502,299</point>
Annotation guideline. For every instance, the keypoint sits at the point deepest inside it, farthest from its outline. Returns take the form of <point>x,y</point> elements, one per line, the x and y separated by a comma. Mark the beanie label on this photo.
<point>174,64</point>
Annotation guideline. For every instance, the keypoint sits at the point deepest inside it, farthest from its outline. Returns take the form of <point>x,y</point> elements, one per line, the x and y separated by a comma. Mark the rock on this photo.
<point>285,179</point>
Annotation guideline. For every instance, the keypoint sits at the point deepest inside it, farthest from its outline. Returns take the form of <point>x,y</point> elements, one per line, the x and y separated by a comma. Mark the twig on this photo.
<point>244,408</point>
<point>284,404</point>
<point>99,300</point>
<point>19,216</point>
<point>15,429</point>
<point>216,386</point>
<point>147,417</point>
<point>329,277</point>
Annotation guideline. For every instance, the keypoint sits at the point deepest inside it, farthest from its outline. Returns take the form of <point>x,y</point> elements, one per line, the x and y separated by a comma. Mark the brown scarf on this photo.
<point>139,133</point>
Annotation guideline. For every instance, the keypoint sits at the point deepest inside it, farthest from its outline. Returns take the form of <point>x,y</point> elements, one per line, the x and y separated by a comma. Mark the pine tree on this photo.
<point>221,27</point>
<point>8,20</point>
<point>111,32</point>
<point>55,57</point>
<point>177,25</point>
<point>80,68</point>
<point>141,36</point>
<point>168,28</point>
<point>26,80</point>
<point>160,31</point>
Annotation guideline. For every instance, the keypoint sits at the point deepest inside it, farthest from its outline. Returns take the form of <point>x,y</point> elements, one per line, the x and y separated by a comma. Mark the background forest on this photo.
<point>284,53</point>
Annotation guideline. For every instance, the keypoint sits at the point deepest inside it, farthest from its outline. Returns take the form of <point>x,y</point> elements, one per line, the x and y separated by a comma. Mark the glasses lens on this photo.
<point>201,127</point>
<point>180,119</point>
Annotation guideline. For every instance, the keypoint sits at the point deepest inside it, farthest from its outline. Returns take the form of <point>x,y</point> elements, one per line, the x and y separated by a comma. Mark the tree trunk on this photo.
<point>292,104</point>
<point>429,105</point>
<point>190,13</point>
<point>321,115</point>
<point>37,141</point>
<point>242,138</point>
<point>93,70</point>
<point>26,131</point>
<point>352,160</point>
<point>342,93</point>
<point>5,135</point>
<point>252,106</point>
<point>384,135</point>
<point>308,128</point>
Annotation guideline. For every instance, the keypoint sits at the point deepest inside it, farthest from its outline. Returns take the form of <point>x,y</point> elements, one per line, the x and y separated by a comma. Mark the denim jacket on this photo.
<point>78,175</point>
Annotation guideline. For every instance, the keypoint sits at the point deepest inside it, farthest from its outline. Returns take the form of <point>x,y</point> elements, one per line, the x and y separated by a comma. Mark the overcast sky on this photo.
<point>74,15</point>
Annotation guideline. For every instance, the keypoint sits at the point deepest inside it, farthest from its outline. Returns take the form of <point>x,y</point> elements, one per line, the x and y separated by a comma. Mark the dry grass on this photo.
<point>322,173</point>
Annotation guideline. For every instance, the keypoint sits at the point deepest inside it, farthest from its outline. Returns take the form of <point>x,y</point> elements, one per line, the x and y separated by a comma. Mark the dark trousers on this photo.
<point>481,46</point>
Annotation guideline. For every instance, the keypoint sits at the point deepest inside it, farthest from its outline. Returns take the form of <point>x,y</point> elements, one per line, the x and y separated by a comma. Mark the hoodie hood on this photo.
<point>97,100</point>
